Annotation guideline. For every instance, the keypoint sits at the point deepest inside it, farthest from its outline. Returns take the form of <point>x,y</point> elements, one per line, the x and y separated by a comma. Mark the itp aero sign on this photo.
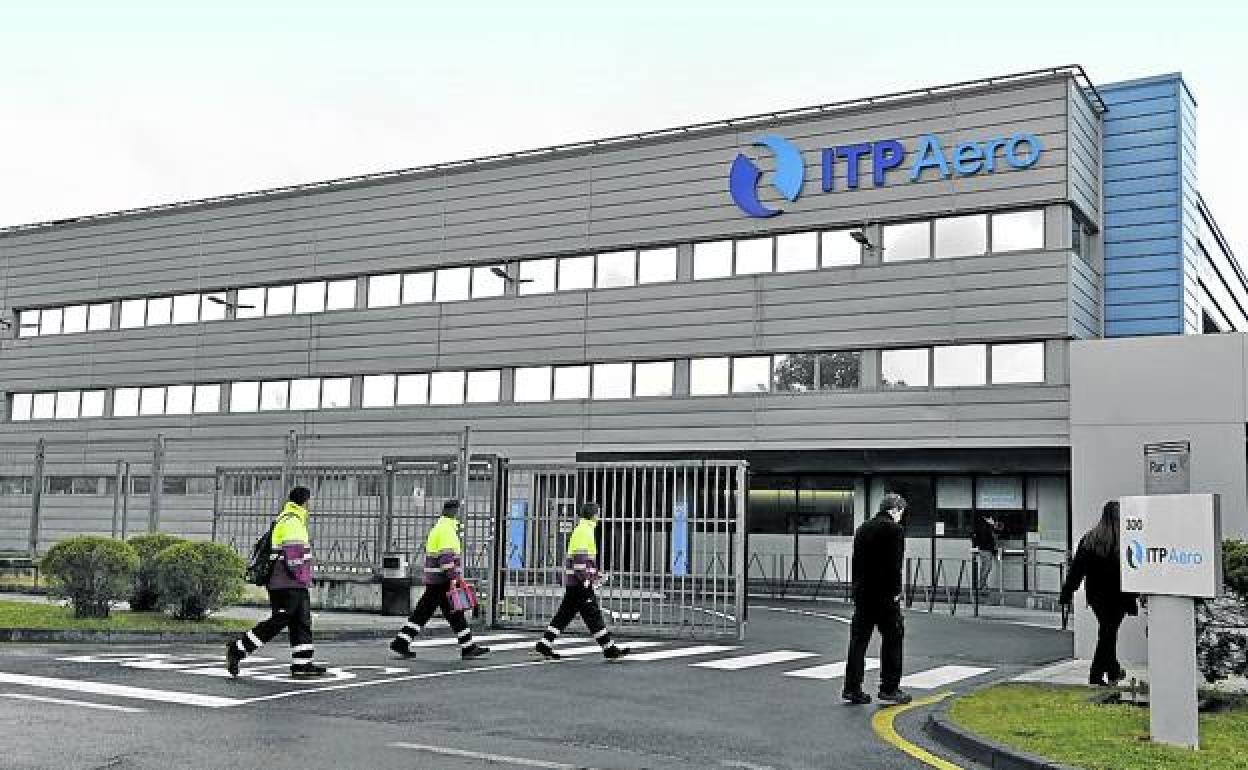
<point>849,165</point>
<point>1171,545</point>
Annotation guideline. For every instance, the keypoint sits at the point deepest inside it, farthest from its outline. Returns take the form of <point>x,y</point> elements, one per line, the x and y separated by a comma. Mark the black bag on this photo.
<point>260,563</point>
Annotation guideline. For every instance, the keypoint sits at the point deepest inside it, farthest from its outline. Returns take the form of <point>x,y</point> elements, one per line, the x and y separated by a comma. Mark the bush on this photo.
<point>92,572</point>
<point>145,597</point>
<point>194,579</point>
<point>1235,567</point>
<point>1222,624</point>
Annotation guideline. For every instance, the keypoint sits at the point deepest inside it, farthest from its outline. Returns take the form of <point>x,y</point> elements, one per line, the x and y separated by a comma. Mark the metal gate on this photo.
<point>671,542</point>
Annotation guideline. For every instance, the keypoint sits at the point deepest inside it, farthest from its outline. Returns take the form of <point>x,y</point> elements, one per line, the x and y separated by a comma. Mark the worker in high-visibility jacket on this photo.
<point>288,593</point>
<point>580,576</point>
<point>443,568</point>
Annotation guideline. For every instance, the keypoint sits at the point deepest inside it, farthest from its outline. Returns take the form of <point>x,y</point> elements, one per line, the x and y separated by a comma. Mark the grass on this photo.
<point>42,616</point>
<point>1061,724</point>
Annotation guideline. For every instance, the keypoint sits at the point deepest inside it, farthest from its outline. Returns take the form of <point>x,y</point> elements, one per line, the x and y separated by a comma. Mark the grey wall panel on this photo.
<point>1085,143</point>
<point>1085,300</point>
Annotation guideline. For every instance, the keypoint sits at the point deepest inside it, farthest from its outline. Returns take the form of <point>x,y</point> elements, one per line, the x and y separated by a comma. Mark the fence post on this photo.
<point>157,486</point>
<point>117,481</point>
<point>36,498</point>
<point>385,528</point>
<point>502,505</point>
<point>465,455</point>
<point>739,556</point>
<point>289,461</point>
<point>219,482</point>
<point>125,499</point>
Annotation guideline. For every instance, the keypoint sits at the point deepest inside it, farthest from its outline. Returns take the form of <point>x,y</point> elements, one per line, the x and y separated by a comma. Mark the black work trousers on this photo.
<point>1108,621</point>
<point>868,617</point>
<point>291,610</point>
<point>433,599</point>
<point>579,600</point>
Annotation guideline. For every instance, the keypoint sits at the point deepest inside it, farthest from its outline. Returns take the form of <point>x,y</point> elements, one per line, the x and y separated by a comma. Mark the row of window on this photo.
<point>942,366</point>
<point>106,485</point>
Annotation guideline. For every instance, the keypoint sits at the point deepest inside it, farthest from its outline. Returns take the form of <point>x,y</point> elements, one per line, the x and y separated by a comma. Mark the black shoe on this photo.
<point>857,698</point>
<point>546,651</point>
<point>1117,676</point>
<point>306,670</point>
<point>473,652</point>
<point>1096,681</point>
<point>615,653</point>
<point>233,656</point>
<point>899,697</point>
<point>401,648</point>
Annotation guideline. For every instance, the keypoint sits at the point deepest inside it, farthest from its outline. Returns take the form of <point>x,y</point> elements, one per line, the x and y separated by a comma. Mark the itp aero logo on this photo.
<point>1135,554</point>
<point>744,176</point>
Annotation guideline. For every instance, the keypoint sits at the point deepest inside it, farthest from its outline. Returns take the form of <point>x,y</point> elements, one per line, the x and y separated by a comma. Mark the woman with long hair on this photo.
<point>1096,565</point>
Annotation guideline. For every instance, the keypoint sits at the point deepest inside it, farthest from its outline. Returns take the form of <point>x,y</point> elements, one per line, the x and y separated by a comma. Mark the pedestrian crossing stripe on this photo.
<point>830,670</point>
<point>753,661</point>
<point>941,676</point>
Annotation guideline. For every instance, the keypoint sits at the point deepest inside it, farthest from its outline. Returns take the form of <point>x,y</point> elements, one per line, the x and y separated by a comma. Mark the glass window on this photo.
<point>92,403</point>
<point>654,379</point>
<point>21,406</point>
<point>44,406</point>
<point>485,386</point>
<point>100,317</point>
<point>797,251</point>
<point>537,276</point>
<point>576,273</point>
<point>962,236</point>
<point>212,306</point>
<point>336,393</point>
<point>413,390</point>
<point>152,401</point>
<point>825,506</point>
<point>904,368</point>
<point>837,248</point>
<point>794,373</point>
<point>207,399</point>
<point>754,256</point>
<point>954,492</point>
<point>656,265</point>
<point>125,402</point>
<point>999,493</point>
<point>617,268</point>
<point>384,290</point>
<point>961,365</point>
<point>446,388</point>
<point>244,396</point>
<point>28,323</point>
<point>179,399</point>
<point>613,381</point>
<point>280,300</point>
<point>133,311</point>
<point>751,375</point>
<point>67,403</point>
<point>712,259</point>
<point>75,320</point>
<point>305,393</point>
<point>840,371</point>
<point>340,295</point>
<point>186,309</point>
<point>708,376</point>
<point>160,311</point>
<point>487,283</point>
<point>417,288</point>
<point>1018,231</point>
<point>452,285</point>
<point>50,321</point>
<point>571,382</point>
<point>908,241</point>
<point>378,391</point>
<point>274,395</point>
<point>310,297</point>
<point>532,384</point>
<point>1018,363</point>
<point>250,303</point>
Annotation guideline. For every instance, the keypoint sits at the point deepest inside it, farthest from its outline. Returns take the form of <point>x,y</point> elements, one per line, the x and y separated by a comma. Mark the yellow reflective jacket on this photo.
<point>580,567</point>
<point>443,553</point>
<point>294,547</point>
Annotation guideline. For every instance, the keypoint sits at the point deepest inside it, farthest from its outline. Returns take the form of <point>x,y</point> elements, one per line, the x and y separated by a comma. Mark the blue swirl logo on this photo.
<point>744,177</point>
<point>1135,554</point>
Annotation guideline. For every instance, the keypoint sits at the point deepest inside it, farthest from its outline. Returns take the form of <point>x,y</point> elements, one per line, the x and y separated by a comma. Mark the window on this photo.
<point>244,396</point>
<point>126,402</point>
<point>798,251</point>
<point>446,388</point>
<point>280,300</point>
<point>961,365</point>
<point>417,288</point>
<point>751,375</point>
<point>487,283</point>
<point>212,306</point>
<point>274,395</point>
<point>962,236</point>
<point>378,391</point>
<point>452,285</point>
<point>840,371</point>
<point>485,387</point>
<point>537,276</point>
<point>21,407</point>
<point>74,320</point>
<point>571,382</point>
<point>207,399</point>
<point>654,379</point>
<point>837,248</point>
<point>656,265</point>
<point>305,393</point>
<point>613,381</point>
<point>708,376</point>
<point>100,317</point>
<point>576,273</point>
<point>999,493</point>
<point>907,242</point>
<point>1018,363</point>
<point>310,297</point>
<point>44,406</point>
<point>152,401</point>
<point>825,506</point>
<point>1018,231</point>
<point>336,393</point>
<point>92,403</point>
<point>180,399</point>
<point>250,303</point>
<point>50,321</point>
<point>794,373</point>
<point>384,290</point>
<point>28,323</point>
<point>340,295</point>
<point>67,403</point>
<point>16,485</point>
<point>617,268</point>
<point>904,368</point>
<point>532,384</point>
<point>133,311</point>
<point>712,260</point>
<point>754,256</point>
<point>159,311</point>
<point>413,390</point>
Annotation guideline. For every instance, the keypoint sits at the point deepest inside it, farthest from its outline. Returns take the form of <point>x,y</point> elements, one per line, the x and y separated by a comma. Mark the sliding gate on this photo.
<point>671,543</point>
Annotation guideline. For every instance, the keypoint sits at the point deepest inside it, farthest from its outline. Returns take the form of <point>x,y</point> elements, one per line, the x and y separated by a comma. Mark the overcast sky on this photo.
<point>111,105</point>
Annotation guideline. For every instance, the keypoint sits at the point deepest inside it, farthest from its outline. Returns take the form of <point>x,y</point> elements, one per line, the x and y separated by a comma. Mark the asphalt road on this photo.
<point>60,705</point>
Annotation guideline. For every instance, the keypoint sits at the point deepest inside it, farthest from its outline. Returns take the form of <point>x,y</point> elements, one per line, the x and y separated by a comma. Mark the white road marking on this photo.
<point>119,691</point>
<point>450,640</point>
<point>939,677</point>
<point>590,649</point>
<point>494,758</point>
<point>375,682</point>
<point>680,652</point>
<point>807,613</point>
<point>830,671</point>
<point>758,659</point>
<point>63,702</point>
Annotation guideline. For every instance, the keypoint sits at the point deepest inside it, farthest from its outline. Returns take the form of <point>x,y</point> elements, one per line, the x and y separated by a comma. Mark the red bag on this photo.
<point>461,596</point>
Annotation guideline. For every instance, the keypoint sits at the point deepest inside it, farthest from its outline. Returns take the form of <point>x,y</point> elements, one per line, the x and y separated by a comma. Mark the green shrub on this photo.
<point>92,572</point>
<point>1222,623</point>
<point>145,597</point>
<point>194,579</point>
<point>1235,566</point>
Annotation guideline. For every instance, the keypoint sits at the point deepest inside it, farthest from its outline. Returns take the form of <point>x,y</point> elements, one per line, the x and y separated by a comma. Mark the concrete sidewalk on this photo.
<point>1075,672</point>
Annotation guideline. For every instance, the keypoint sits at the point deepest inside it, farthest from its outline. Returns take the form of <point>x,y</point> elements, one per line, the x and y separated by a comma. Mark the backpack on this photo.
<point>260,563</point>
